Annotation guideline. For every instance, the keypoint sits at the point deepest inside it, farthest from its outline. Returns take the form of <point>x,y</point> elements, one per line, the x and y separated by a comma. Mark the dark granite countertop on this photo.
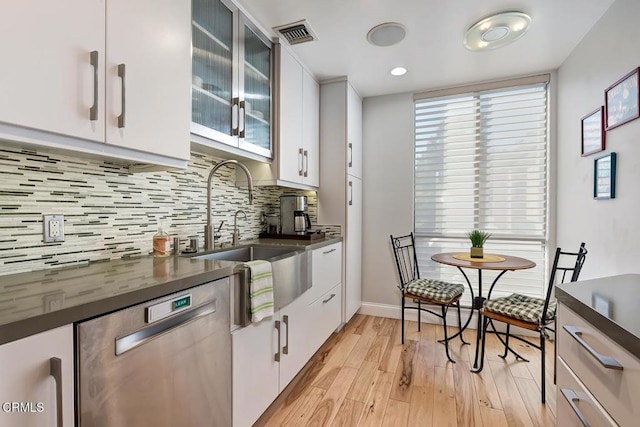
<point>610,304</point>
<point>42,300</point>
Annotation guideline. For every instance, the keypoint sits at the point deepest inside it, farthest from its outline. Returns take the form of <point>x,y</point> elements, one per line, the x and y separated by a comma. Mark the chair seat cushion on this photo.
<point>521,307</point>
<point>434,289</point>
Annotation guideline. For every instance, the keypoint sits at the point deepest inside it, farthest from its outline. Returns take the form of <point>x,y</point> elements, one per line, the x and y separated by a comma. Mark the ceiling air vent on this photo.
<point>297,32</point>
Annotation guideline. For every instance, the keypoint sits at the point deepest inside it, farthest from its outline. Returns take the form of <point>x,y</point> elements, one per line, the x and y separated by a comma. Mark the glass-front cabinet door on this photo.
<point>231,85</point>
<point>256,87</point>
<point>213,56</point>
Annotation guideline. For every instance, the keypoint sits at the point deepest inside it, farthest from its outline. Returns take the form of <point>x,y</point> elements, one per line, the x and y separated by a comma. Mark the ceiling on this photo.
<point>432,50</point>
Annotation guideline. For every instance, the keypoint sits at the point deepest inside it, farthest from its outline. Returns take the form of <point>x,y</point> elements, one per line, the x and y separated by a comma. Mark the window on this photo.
<point>481,163</point>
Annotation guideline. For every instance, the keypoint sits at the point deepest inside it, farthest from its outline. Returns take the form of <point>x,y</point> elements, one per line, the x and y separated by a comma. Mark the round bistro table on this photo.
<point>506,263</point>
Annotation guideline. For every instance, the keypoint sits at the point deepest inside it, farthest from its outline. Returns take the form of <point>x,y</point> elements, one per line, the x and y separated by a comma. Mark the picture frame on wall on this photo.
<point>593,134</point>
<point>621,100</point>
<point>604,177</point>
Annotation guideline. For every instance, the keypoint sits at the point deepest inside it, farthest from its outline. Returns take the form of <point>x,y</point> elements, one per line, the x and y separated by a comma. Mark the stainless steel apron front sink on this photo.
<point>291,267</point>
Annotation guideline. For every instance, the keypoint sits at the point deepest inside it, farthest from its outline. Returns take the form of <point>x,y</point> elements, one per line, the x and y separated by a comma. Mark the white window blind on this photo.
<point>481,163</point>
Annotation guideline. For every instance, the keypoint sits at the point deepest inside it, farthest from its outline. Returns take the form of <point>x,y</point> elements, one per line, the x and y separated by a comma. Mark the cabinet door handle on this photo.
<point>329,299</point>
<point>121,74</point>
<point>306,163</point>
<point>350,155</point>
<point>234,116</point>
<point>285,320</point>
<point>329,251</point>
<point>242,118</point>
<point>93,110</point>
<point>350,193</point>
<point>300,161</point>
<point>572,398</point>
<point>607,362</point>
<point>55,370</point>
<point>277,356</point>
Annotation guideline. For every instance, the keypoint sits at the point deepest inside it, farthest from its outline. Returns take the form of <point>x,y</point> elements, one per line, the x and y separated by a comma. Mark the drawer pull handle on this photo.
<point>607,362</point>
<point>93,60</point>
<point>572,398</point>
<point>277,356</point>
<point>285,320</point>
<point>329,299</point>
<point>329,251</point>
<point>55,370</point>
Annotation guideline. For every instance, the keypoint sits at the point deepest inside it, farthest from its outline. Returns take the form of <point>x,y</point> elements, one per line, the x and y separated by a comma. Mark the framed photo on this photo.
<point>604,177</point>
<point>593,134</point>
<point>621,100</point>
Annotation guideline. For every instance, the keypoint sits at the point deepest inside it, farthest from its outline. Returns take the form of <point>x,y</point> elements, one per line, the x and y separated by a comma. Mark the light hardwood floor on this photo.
<point>363,376</point>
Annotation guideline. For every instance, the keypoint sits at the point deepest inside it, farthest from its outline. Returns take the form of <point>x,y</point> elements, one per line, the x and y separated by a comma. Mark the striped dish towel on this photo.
<point>261,289</point>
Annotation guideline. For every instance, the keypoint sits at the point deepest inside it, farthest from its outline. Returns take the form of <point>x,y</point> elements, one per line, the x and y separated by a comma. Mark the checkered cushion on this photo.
<point>434,289</point>
<point>521,307</point>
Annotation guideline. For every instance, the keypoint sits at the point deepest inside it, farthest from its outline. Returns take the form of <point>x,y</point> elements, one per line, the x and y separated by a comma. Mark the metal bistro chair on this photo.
<point>429,291</point>
<point>534,314</point>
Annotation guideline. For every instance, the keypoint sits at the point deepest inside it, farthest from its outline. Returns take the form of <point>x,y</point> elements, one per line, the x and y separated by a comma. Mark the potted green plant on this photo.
<point>478,238</point>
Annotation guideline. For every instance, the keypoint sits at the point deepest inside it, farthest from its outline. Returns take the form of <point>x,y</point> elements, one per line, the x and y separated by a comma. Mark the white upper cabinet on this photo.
<point>354,132</point>
<point>48,79</point>
<point>231,83</point>
<point>147,74</point>
<point>90,72</point>
<point>299,123</point>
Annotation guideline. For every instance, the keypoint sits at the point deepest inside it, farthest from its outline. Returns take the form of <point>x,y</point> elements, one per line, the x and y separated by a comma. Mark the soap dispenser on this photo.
<point>161,243</point>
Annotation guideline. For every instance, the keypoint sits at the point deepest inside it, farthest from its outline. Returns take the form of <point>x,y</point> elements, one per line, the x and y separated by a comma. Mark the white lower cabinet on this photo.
<point>36,385</point>
<point>269,354</point>
<point>598,381</point>
<point>255,371</point>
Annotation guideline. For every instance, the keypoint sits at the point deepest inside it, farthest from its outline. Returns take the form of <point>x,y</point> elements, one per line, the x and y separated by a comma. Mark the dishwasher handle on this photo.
<point>136,339</point>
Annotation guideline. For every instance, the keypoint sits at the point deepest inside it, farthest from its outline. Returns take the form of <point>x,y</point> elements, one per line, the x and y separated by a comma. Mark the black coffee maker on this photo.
<point>293,215</point>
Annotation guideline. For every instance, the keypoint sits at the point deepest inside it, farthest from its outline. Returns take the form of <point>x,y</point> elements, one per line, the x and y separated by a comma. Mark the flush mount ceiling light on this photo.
<point>398,71</point>
<point>386,34</point>
<point>496,31</point>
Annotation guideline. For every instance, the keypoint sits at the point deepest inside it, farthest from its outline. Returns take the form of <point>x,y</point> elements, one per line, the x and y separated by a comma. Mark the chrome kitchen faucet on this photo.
<point>208,229</point>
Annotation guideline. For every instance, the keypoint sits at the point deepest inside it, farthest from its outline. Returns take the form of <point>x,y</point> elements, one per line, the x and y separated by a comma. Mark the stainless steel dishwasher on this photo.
<point>166,362</point>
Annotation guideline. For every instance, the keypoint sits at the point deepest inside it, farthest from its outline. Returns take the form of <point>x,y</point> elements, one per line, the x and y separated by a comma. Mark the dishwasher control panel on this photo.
<point>167,308</point>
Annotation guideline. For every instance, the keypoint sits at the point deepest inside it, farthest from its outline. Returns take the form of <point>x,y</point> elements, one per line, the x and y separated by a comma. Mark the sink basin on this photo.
<point>291,268</point>
<point>250,253</point>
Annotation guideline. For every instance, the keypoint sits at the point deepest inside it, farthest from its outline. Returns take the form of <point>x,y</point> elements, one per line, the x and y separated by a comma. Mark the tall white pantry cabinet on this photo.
<point>340,193</point>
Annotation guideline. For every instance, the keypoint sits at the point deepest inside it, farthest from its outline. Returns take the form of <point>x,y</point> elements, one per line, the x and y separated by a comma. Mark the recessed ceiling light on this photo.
<point>496,31</point>
<point>386,34</point>
<point>398,71</point>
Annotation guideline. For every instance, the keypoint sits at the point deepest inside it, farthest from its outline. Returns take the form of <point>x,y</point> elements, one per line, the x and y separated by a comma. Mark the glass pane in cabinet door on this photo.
<point>257,90</point>
<point>212,43</point>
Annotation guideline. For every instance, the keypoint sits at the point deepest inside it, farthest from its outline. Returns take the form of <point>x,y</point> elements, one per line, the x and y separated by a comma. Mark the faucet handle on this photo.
<point>220,227</point>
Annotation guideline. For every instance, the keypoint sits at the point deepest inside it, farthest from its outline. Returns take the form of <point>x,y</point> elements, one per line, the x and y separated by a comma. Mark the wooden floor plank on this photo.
<point>540,414</point>
<point>424,364</point>
<point>421,407</point>
<point>467,404</point>
<point>335,361</point>
<point>396,414</point>
<point>363,382</point>
<point>377,349</point>
<point>493,417</point>
<point>403,376</point>
<point>376,403</point>
<point>361,349</point>
<point>328,407</point>
<point>301,414</point>
<point>444,401</point>
<point>349,414</point>
<point>512,402</point>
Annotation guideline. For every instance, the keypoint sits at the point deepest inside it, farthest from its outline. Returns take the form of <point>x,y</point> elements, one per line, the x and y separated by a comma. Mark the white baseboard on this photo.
<point>394,312</point>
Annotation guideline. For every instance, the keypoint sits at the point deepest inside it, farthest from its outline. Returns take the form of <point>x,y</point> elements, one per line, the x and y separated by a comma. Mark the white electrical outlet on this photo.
<point>53,228</point>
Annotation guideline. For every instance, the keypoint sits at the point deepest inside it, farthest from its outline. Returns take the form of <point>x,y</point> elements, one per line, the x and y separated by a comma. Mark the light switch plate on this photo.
<point>53,228</point>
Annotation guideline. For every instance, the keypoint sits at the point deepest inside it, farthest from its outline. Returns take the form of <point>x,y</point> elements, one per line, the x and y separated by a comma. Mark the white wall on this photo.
<point>611,228</point>
<point>387,191</point>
